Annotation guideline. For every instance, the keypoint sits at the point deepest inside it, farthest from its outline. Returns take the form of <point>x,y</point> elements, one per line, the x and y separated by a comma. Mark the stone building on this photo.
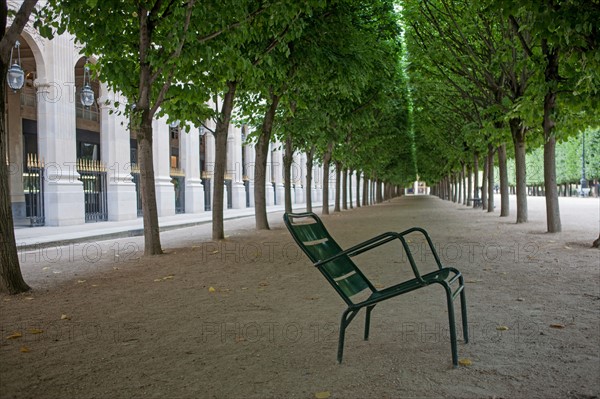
<point>72,164</point>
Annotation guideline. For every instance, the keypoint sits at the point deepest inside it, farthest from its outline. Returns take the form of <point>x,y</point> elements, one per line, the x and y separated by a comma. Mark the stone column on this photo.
<point>269,190</point>
<point>210,159</point>
<point>278,167</point>
<point>299,177</point>
<point>115,153</point>
<point>250,155</point>
<point>189,154</point>
<point>165,191</point>
<point>317,186</point>
<point>63,192</point>
<point>234,167</point>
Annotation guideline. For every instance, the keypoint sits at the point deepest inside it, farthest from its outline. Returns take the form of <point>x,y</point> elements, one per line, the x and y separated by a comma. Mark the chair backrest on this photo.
<point>310,234</point>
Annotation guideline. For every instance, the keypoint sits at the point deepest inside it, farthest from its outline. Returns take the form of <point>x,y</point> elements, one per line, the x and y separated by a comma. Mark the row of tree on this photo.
<point>496,77</point>
<point>321,76</point>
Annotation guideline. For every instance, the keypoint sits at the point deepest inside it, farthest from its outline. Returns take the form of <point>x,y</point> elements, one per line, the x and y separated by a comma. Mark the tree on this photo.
<point>140,45</point>
<point>560,39</point>
<point>11,278</point>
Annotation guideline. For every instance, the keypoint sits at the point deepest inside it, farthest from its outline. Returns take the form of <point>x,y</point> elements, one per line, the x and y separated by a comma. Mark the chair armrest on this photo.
<point>373,243</point>
<point>429,242</point>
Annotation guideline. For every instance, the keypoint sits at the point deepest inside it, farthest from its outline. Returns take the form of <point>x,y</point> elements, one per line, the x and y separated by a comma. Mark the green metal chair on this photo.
<point>348,280</point>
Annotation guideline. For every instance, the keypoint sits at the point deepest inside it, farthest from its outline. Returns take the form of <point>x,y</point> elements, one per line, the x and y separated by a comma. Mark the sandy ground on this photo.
<point>250,318</point>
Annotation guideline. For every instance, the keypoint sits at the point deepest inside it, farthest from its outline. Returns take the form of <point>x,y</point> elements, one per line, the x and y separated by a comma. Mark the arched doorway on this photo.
<point>26,167</point>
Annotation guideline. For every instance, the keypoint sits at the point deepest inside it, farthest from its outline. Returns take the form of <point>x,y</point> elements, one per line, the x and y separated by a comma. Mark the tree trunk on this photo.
<point>152,244</point>
<point>596,243</point>
<point>345,189</point>
<point>365,193</point>
<point>309,169</point>
<point>550,189</point>
<point>518,135</point>
<point>11,278</point>
<point>503,170</point>
<point>484,184</point>
<point>260,166</point>
<point>218,232</point>
<point>469,185</point>
<point>350,188</point>
<point>456,185</point>
<point>338,172</point>
<point>358,188</point>
<point>475,178</point>
<point>326,161</point>
<point>491,179</point>
<point>288,158</point>
<point>552,208</point>
<point>464,184</point>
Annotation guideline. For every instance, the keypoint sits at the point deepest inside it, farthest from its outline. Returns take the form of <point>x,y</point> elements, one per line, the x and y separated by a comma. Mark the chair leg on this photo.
<point>451,321</point>
<point>368,321</point>
<point>463,310</point>
<point>347,317</point>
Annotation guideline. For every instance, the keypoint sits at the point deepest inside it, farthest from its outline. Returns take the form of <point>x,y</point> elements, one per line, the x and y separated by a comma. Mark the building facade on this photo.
<point>72,164</point>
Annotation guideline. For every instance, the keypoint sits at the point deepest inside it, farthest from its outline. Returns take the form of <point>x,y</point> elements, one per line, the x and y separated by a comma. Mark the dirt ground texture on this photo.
<point>249,317</point>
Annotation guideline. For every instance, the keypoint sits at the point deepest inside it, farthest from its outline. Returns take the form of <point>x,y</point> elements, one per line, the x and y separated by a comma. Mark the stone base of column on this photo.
<point>251,190</point>
<point>238,195</point>
<point>194,196</point>
<point>165,196</point>
<point>64,202</point>
<point>270,194</point>
<point>280,194</point>
<point>122,200</point>
<point>317,194</point>
<point>299,195</point>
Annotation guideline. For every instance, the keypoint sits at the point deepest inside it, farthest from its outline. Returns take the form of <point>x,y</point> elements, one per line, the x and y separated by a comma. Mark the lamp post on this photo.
<point>584,191</point>
<point>15,75</point>
<point>87,94</point>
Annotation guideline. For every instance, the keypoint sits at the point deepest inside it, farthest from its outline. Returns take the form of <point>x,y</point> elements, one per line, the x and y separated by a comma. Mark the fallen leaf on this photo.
<point>94,285</point>
<point>65,317</point>
<point>15,335</point>
<point>323,395</point>
<point>115,268</point>
<point>557,325</point>
<point>170,277</point>
<point>29,298</point>
<point>80,281</point>
<point>211,289</point>
<point>24,349</point>
<point>158,280</point>
<point>465,362</point>
<point>35,331</point>
<point>214,252</point>
<point>502,328</point>
<point>567,247</point>
<point>263,284</point>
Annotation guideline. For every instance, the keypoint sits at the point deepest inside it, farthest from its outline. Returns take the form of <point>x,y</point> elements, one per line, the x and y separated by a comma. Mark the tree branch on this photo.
<point>8,38</point>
